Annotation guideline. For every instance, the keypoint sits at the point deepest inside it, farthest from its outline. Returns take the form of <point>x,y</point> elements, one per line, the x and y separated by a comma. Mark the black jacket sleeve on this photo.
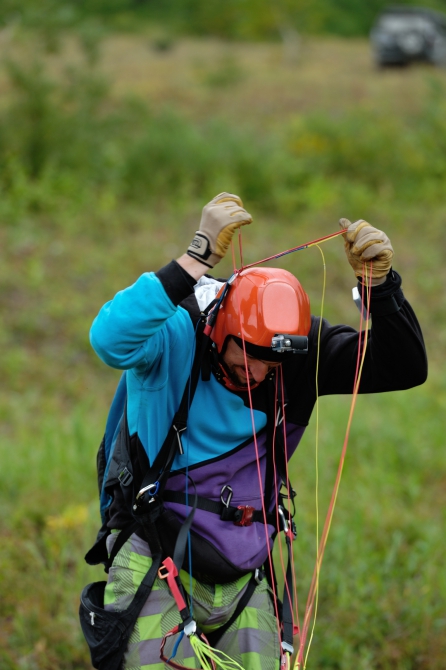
<point>395,357</point>
<point>177,283</point>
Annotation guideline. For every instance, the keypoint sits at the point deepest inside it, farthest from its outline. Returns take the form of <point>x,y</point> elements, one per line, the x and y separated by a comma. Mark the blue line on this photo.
<point>177,644</point>
<point>186,452</point>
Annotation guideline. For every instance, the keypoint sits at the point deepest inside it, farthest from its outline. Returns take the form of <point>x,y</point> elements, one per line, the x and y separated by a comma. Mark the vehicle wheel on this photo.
<point>381,62</point>
<point>411,43</point>
<point>391,65</point>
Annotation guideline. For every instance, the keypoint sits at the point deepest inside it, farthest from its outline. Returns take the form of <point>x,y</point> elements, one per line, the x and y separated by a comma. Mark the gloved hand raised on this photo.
<point>364,243</point>
<point>220,219</point>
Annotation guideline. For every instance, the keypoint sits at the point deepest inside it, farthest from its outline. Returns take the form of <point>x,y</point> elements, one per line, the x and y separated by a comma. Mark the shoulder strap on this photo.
<point>156,476</point>
<point>274,435</point>
<point>105,450</point>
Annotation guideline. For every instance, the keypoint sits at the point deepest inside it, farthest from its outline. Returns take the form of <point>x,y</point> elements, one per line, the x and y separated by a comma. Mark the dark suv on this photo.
<point>403,34</point>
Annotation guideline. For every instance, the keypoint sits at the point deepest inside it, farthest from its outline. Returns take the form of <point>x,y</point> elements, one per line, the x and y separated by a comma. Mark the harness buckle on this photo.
<point>226,501</point>
<point>288,648</point>
<point>245,519</point>
<point>125,477</point>
<point>178,431</point>
<point>163,572</point>
<point>168,571</point>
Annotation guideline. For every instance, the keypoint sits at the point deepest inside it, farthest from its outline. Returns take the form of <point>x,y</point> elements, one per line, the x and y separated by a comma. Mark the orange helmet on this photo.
<point>268,309</point>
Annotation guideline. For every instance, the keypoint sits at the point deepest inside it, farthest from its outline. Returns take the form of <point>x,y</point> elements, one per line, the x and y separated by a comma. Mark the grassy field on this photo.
<point>108,151</point>
<point>261,83</point>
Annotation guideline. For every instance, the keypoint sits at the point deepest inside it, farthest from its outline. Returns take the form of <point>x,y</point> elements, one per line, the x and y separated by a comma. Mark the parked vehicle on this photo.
<point>403,34</point>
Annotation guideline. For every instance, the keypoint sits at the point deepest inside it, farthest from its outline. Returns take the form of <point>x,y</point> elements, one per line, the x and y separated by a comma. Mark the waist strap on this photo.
<point>243,515</point>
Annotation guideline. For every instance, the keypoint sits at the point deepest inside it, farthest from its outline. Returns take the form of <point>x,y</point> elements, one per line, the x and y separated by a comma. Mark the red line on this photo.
<point>259,472</point>
<point>276,493</point>
<point>290,251</point>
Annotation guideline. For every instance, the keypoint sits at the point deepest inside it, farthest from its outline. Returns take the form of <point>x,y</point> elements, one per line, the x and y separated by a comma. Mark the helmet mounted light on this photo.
<point>293,344</point>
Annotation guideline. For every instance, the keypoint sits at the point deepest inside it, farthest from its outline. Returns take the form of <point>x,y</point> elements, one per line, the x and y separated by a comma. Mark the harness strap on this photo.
<point>119,543</point>
<point>277,462</point>
<point>215,635</point>
<point>271,432</point>
<point>155,479</point>
<point>238,515</point>
<point>287,603</point>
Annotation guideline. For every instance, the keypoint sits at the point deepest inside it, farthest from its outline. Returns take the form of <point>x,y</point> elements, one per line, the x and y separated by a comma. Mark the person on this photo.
<point>261,359</point>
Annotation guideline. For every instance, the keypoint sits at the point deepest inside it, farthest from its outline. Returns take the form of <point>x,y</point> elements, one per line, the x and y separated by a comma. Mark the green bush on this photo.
<point>70,142</point>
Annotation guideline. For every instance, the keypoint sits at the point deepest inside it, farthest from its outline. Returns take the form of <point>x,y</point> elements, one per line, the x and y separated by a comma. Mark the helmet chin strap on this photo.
<point>223,376</point>
<point>230,384</point>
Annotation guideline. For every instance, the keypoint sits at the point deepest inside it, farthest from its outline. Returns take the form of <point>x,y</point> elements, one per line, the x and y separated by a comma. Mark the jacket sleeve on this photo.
<point>395,357</point>
<point>133,329</point>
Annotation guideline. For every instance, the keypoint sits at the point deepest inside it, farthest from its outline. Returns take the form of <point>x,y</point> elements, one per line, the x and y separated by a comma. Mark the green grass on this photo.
<point>97,187</point>
<point>382,588</point>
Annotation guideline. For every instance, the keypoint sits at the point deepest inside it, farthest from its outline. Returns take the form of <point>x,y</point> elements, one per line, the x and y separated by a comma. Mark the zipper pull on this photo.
<point>92,615</point>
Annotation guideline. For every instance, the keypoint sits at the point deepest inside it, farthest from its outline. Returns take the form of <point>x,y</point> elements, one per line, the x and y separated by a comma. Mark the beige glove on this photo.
<point>220,219</point>
<point>363,243</point>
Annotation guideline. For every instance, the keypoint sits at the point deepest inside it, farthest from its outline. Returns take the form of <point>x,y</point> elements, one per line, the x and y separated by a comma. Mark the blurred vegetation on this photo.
<point>251,19</point>
<point>68,140</point>
<point>96,189</point>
